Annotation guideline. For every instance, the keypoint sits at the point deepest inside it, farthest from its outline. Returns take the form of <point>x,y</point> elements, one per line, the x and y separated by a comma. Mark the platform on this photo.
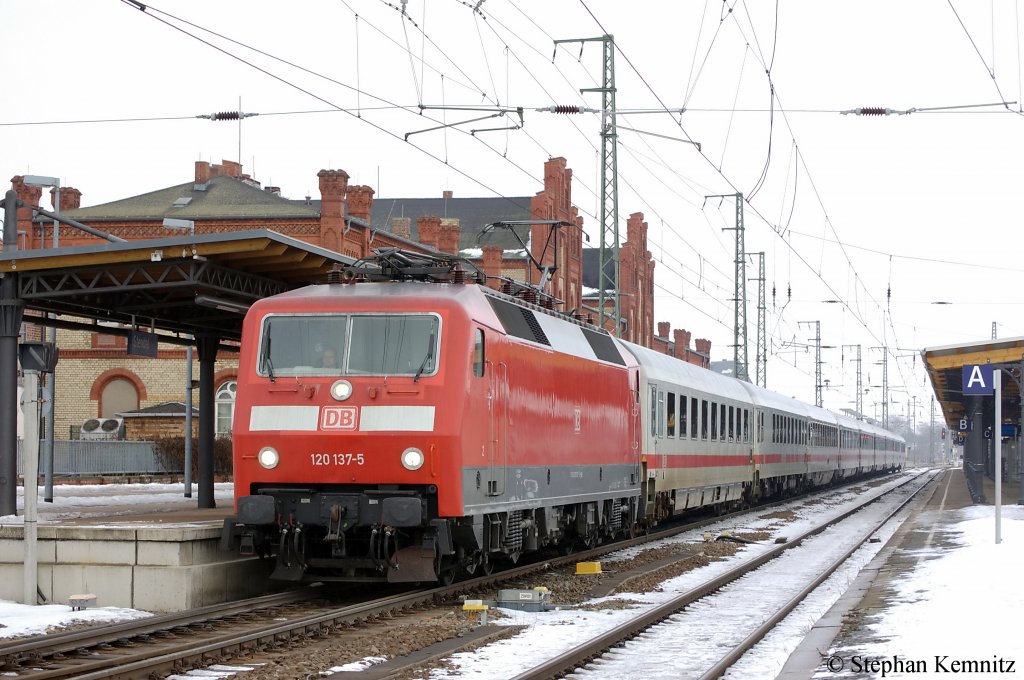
<point>848,623</point>
<point>138,546</point>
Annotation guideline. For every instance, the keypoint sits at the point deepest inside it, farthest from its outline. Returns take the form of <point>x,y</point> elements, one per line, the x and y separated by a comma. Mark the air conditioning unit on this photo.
<point>99,429</point>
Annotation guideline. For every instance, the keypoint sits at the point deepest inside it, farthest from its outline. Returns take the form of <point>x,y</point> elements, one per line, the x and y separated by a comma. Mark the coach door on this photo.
<point>497,398</point>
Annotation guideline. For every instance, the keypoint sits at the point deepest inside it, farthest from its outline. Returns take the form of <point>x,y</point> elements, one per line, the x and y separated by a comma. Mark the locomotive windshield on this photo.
<point>349,344</point>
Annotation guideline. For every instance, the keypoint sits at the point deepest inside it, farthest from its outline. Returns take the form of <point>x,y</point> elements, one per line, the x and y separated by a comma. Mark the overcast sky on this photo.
<point>866,222</point>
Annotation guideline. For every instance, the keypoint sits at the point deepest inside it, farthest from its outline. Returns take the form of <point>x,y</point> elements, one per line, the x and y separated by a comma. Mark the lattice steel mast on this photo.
<point>761,359</point>
<point>817,361</point>
<point>860,392</point>
<point>609,184</point>
<point>739,333</point>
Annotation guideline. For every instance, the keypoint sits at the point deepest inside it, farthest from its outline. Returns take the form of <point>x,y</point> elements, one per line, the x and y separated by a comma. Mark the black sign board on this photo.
<point>142,344</point>
<point>37,356</point>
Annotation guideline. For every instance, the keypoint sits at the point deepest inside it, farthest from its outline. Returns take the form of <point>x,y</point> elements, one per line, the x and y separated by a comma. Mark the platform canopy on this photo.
<point>945,370</point>
<point>182,285</point>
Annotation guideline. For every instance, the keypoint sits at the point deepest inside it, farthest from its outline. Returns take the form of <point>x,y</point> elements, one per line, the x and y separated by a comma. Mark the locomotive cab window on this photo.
<point>349,344</point>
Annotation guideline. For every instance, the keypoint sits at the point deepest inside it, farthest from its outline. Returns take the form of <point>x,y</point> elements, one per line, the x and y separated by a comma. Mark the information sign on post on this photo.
<point>982,380</point>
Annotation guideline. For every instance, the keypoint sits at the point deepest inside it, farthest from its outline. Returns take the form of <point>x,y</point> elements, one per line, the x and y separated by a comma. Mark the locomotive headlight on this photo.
<point>341,390</point>
<point>412,458</point>
<point>268,457</point>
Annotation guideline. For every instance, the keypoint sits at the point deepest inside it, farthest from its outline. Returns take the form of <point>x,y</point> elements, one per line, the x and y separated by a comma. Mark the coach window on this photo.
<point>746,426</point>
<point>683,410</point>
<point>661,413</point>
<point>732,423</point>
<point>654,410</point>
<point>694,429</point>
<point>671,414</point>
<point>478,353</point>
<point>721,422</point>
<point>704,419</point>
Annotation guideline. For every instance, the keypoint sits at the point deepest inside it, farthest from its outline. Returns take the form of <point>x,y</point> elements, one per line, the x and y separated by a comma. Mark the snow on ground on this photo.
<point>75,501</point>
<point>957,601</point>
<point>18,620</point>
<point>959,604</point>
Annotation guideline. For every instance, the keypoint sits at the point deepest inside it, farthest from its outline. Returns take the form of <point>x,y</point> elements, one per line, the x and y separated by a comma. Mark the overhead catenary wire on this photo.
<point>676,225</point>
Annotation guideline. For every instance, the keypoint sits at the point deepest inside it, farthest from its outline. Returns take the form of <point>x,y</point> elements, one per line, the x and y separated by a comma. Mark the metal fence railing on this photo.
<point>78,458</point>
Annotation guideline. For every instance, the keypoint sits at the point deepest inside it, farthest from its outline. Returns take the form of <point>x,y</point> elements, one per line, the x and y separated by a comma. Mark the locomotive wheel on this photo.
<point>444,568</point>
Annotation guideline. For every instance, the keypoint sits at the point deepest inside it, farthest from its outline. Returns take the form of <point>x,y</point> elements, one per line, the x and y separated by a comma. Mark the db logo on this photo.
<point>338,418</point>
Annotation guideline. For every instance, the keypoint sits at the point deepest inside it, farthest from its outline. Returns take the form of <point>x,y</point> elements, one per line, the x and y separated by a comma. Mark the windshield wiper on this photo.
<point>265,357</point>
<point>426,359</point>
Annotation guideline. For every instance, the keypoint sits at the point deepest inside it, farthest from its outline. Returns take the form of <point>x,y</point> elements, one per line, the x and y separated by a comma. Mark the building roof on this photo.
<point>168,409</point>
<point>591,261</point>
<point>192,284</point>
<point>223,197</point>
<point>945,365</point>
<point>473,215</point>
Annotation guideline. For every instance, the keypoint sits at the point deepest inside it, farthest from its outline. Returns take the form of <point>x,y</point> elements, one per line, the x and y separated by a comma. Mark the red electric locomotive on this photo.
<point>390,428</point>
<point>410,426</point>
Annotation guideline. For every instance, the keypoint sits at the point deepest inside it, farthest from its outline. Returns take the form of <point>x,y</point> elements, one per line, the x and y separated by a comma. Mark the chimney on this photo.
<point>273,190</point>
<point>704,347</point>
<point>446,195</point>
<point>29,196</point>
<point>228,169</point>
<point>202,172</point>
<point>681,338</point>
<point>70,198</point>
<point>427,229</point>
<point>360,202</point>
<point>402,226</point>
<point>636,230</point>
<point>448,236</point>
<point>663,329</point>
<point>492,260</point>
<point>333,186</point>
<point>26,194</point>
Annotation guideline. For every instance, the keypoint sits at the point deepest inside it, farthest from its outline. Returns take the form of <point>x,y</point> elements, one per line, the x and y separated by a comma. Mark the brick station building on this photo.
<point>97,378</point>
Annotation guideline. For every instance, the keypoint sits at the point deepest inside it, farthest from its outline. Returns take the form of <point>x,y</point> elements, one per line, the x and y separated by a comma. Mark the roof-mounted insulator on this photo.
<point>335,274</point>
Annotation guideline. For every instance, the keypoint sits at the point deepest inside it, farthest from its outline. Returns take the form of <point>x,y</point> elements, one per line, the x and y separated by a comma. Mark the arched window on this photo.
<point>118,395</point>
<point>225,407</point>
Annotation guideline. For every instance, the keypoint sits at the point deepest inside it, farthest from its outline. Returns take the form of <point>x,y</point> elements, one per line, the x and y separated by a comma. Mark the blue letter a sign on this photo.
<point>978,379</point>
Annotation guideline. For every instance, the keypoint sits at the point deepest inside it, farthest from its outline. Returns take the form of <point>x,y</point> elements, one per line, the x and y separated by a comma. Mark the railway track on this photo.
<point>590,655</point>
<point>176,642</point>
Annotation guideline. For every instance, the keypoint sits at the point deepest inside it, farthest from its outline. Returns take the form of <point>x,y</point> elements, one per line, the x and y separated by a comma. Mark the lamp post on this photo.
<point>50,379</point>
<point>190,226</point>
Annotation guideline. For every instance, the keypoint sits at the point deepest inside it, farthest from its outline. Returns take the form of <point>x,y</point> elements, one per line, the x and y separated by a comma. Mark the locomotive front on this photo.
<point>340,433</point>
